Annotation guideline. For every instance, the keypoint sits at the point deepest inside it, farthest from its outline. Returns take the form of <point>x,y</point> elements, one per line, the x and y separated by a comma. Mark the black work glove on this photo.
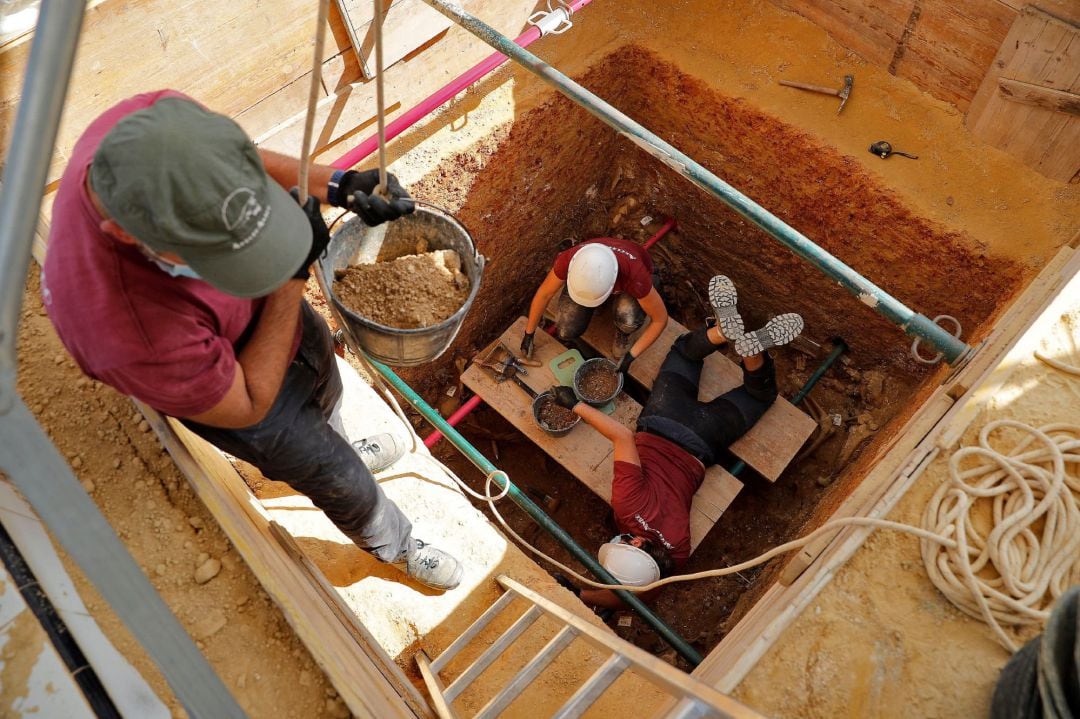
<point>320,234</point>
<point>624,363</point>
<point>527,344</point>
<point>564,396</point>
<point>356,192</point>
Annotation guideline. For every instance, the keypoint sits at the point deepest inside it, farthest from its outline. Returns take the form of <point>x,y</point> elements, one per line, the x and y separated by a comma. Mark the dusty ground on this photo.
<point>169,533</point>
<point>881,641</point>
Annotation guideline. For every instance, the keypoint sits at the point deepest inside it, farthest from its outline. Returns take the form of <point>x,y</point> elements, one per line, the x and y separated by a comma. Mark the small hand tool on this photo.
<point>843,93</point>
<point>883,149</point>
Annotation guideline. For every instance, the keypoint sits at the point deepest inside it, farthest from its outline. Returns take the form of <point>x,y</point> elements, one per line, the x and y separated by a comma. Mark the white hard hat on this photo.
<point>628,564</point>
<point>592,274</point>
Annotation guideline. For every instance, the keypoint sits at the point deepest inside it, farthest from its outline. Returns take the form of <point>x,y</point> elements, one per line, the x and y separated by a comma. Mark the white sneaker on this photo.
<point>778,331</point>
<point>379,451</point>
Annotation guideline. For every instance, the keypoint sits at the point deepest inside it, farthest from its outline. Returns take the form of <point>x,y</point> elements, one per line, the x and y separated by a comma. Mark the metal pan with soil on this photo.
<point>552,417</point>
<point>598,381</point>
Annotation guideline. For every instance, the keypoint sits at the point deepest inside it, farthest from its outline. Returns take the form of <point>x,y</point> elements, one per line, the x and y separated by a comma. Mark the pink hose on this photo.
<point>471,404</point>
<point>428,104</point>
<point>667,227</point>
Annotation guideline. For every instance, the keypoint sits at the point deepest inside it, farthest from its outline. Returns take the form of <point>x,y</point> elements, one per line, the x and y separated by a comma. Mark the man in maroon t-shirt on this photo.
<point>175,273</point>
<point>659,467</point>
<point>591,273</point>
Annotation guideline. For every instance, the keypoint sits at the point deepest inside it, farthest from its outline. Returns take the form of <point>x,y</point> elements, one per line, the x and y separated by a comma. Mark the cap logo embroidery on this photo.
<point>241,209</point>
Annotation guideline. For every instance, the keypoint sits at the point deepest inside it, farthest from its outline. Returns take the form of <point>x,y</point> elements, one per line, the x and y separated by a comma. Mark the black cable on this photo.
<point>54,626</point>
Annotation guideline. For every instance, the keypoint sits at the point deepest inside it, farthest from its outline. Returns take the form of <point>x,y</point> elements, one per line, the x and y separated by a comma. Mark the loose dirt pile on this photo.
<point>554,416</point>
<point>408,292</point>
<point>599,383</point>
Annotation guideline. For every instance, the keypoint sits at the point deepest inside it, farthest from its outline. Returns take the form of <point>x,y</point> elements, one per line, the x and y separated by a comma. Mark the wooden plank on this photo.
<point>768,447</point>
<point>229,56</point>
<point>407,25</point>
<point>584,452</point>
<point>1043,51</point>
<point>1049,98</point>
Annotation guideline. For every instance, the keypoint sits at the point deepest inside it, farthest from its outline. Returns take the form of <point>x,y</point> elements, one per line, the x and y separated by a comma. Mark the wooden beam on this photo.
<point>1048,97</point>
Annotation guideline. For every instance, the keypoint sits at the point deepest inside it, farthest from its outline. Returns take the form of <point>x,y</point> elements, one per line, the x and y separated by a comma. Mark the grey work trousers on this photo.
<point>296,444</point>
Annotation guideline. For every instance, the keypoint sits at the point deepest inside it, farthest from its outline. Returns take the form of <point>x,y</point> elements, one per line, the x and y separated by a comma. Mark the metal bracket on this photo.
<point>555,21</point>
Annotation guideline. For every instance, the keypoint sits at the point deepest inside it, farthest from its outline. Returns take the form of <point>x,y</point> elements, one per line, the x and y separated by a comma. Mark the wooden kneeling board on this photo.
<point>768,447</point>
<point>584,452</point>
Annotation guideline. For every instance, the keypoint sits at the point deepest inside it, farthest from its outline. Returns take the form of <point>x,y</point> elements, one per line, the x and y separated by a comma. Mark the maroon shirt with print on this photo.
<point>654,500</point>
<point>170,342</point>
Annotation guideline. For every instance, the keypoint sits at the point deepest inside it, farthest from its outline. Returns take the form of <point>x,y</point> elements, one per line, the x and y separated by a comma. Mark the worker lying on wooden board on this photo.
<point>660,467</point>
<point>176,272</point>
<point>592,272</point>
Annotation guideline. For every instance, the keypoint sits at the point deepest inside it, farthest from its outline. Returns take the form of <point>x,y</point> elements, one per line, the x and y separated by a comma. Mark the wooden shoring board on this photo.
<point>936,425</point>
<point>1040,53</point>
<point>584,452</point>
<point>768,447</point>
<point>407,25</point>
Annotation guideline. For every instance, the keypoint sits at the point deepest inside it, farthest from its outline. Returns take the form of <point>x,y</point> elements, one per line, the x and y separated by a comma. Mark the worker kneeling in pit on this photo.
<point>176,272</point>
<point>660,467</point>
<point>592,272</point>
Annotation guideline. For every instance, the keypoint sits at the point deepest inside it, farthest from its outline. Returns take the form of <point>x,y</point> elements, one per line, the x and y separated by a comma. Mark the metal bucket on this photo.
<point>540,423</point>
<point>356,242</point>
<point>588,365</point>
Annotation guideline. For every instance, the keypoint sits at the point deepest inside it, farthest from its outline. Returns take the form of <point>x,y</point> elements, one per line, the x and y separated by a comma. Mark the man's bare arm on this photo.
<point>286,172</point>
<point>544,293</point>
<point>621,436</point>
<point>261,365</point>
<point>653,305</point>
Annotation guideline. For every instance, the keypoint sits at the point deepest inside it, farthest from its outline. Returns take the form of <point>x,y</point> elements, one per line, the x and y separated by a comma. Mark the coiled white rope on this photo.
<point>1015,517</point>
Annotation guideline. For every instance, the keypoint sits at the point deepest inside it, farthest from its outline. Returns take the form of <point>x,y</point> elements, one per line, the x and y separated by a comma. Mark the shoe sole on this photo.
<point>778,331</point>
<point>723,297</point>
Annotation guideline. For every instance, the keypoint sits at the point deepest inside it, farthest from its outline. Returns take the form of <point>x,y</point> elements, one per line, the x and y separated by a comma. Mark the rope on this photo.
<point>313,98</point>
<point>1016,521</point>
<point>380,101</point>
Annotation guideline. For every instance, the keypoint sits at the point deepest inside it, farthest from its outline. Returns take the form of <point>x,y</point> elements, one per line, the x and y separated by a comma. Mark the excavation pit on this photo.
<point>557,176</point>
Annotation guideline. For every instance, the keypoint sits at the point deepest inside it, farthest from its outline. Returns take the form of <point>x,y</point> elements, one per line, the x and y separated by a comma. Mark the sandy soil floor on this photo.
<point>881,641</point>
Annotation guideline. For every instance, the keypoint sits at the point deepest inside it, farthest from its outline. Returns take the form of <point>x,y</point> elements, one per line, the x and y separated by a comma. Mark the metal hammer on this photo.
<point>843,93</point>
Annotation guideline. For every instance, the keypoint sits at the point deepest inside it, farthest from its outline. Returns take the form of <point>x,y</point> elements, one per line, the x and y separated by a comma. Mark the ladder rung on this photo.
<point>528,673</point>
<point>482,621</point>
<point>688,708</point>
<point>492,653</point>
<point>591,690</point>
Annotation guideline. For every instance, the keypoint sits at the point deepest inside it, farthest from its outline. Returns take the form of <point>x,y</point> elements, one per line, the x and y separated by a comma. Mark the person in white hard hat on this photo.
<point>592,273</point>
<point>659,467</point>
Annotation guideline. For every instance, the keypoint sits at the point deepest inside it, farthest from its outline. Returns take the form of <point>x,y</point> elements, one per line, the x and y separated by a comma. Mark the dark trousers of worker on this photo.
<point>573,319</point>
<point>704,429</point>
<point>295,444</point>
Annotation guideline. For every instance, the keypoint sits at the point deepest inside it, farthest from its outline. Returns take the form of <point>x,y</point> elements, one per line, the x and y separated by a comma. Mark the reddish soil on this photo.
<point>604,186</point>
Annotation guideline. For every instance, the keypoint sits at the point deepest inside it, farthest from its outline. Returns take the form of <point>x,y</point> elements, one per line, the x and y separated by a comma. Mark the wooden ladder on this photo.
<point>695,699</point>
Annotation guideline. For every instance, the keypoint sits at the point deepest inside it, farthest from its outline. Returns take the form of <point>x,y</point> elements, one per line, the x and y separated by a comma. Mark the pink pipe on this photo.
<point>668,227</point>
<point>426,106</point>
<point>470,404</point>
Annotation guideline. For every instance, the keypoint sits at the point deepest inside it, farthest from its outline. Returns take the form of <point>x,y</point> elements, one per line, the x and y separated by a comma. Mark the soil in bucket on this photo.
<point>408,292</point>
<point>598,383</point>
<point>554,416</point>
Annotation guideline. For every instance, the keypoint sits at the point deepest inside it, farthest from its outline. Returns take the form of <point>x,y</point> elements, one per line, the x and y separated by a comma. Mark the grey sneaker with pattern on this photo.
<point>778,331</point>
<point>722,297</point>
<point>432,567</point>
<point>379,451</point>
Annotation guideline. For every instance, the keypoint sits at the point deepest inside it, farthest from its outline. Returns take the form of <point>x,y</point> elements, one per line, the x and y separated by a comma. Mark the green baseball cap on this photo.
<point>184,180</point>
